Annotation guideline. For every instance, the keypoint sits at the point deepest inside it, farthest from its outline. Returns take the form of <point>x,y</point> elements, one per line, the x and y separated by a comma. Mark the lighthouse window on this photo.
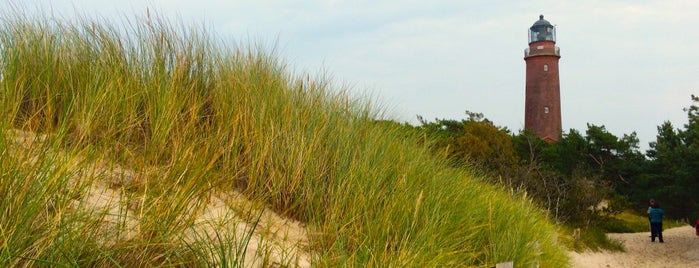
<point>546,68</point>
<point>546,109</point>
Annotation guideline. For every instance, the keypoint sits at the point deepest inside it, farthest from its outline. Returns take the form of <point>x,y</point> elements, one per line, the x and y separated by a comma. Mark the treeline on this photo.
<point>585,176</point>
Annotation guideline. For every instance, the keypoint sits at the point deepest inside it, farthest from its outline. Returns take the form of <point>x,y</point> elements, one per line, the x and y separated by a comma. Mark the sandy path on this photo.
<point>681,249</point>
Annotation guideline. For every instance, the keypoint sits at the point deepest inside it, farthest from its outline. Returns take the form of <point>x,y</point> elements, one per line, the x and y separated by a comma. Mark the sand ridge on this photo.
<point>268,238</point>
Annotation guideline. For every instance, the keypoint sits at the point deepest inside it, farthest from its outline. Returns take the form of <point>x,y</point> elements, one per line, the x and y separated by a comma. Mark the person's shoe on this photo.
<point>661,241</point>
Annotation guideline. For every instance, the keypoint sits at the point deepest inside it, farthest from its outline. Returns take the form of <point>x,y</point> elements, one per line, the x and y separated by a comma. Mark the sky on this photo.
<point>628,65</point>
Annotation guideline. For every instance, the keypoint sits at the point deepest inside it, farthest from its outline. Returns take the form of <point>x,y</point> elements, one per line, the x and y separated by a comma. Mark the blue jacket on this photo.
<point>656,214</point>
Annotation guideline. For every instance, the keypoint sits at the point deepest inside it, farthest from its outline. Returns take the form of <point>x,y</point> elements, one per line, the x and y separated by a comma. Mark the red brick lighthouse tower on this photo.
<point>542,107</point>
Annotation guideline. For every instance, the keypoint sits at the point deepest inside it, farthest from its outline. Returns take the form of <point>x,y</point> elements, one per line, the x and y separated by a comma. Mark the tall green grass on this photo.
<point>193,116</point>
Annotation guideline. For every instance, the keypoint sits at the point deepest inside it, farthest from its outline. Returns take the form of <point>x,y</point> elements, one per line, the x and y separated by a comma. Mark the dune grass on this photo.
<point>192,116</point>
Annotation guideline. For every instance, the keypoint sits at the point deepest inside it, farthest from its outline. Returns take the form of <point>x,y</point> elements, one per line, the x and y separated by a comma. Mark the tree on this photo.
<point>618,161</point>
<point>673,175</point>
<point>475,140</point>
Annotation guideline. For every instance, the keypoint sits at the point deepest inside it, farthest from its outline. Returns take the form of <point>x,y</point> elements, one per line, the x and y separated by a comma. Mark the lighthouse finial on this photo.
<point>541,17</point>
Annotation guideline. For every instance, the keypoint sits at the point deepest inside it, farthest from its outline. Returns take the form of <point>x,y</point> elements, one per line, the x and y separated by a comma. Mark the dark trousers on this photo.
<point>656,230</point>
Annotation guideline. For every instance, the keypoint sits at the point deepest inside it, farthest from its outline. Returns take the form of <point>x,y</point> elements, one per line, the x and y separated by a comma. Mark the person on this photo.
<point>650,205</point>
<point>656,222</point>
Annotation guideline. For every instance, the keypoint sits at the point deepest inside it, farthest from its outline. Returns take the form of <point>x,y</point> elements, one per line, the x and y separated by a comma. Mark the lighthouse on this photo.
<point>542,107</point>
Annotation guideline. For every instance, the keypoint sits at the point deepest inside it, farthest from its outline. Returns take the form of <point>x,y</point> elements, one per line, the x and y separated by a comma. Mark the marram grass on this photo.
<point>185,118</point>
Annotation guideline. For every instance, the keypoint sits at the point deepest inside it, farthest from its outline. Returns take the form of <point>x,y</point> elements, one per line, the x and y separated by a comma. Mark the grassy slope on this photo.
<point>211,117</point>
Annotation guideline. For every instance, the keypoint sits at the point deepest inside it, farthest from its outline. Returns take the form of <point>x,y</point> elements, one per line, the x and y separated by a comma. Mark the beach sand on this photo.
<point>681,249</point>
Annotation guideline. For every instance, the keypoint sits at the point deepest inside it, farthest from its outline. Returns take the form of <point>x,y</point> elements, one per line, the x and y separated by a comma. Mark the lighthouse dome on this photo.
<point>541,22</point>
<point>542,30</point>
